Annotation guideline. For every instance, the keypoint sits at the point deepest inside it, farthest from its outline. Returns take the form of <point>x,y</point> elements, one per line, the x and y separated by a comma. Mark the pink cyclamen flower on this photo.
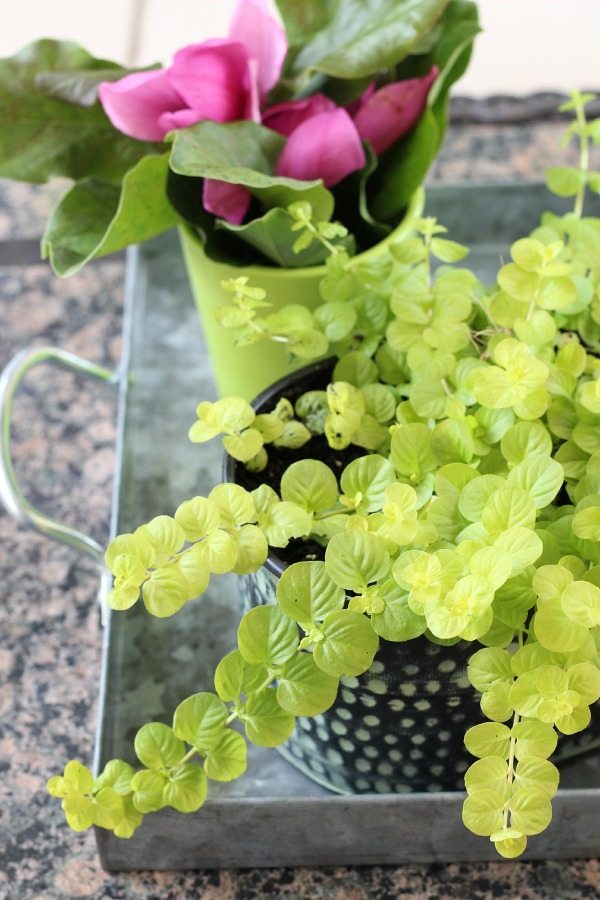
<point>222,80</point>
<point>225,200</point>
<point>386,115</point>
<point>285,117</point>
<point>326,145</point>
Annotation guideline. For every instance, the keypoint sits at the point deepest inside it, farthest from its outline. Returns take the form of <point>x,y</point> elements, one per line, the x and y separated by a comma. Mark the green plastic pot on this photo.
<point>246,371</point>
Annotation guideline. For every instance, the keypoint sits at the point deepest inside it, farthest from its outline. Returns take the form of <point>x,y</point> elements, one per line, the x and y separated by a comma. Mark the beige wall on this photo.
<point>527,45</point>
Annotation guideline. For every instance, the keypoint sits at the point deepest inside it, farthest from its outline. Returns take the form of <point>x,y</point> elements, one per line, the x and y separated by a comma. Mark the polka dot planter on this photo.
<point>398,728</point>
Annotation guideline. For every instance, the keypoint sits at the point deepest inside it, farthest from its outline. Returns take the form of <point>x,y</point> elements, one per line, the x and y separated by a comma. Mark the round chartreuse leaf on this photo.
<point>540,476</point>
<point>306,593</point>
<point>535,740</point>
<point>311,485</point>
<point>530,810</point>
<point>157,747</point>
<point>483,811</point>
<point>536,774</point>
<point>267,723</point>
<point>355,559</point>
<point>507,507</point>
<point>267,637</point>
<point>304,689</point>
<point>200,720</point>
<point>365,479</point>
<point>252,549</point>
<point>488,739</point>
<point>397,621</point>
<point>227,759</point>
<point>148,787</point>
<point>186,788</point>
<point>523,440</point>
<point>197,517</point>
<point>580,601</point>
<point>489,773</point>
<point>348,644</point>
<point>234,676</point>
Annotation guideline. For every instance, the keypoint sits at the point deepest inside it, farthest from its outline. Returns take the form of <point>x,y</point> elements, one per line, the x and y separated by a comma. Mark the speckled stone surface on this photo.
<point>50,644</point>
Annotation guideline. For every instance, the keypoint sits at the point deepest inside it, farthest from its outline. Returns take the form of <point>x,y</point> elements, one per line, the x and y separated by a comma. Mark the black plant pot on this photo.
<point>398,728</point>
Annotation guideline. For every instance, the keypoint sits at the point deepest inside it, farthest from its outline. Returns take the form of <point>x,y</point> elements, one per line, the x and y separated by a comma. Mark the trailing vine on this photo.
<point>474,515</point>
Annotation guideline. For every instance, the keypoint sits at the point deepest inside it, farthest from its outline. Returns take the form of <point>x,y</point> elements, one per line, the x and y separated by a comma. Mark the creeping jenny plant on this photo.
<point>473,515</point>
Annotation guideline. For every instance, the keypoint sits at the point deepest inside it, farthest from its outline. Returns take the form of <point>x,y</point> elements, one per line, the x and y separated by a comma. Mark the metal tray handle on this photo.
<point>11,494</point>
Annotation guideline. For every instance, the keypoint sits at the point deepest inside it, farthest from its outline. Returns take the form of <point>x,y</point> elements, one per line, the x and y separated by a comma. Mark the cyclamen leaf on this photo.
<point>267,637</point>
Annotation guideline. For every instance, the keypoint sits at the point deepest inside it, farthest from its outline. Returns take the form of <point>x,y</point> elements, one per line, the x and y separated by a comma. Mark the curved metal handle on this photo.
<point>11,494</point>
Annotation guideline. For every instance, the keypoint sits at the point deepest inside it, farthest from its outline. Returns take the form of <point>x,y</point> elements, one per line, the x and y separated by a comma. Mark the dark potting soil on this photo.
<point>280,458</point>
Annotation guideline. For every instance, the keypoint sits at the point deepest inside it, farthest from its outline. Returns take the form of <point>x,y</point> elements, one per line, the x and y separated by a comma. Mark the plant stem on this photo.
<point>584,160</point>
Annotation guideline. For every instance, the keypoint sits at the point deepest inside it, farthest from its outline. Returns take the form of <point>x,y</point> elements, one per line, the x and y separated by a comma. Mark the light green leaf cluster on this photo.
<point>473,515</point>
<point>246,433</point>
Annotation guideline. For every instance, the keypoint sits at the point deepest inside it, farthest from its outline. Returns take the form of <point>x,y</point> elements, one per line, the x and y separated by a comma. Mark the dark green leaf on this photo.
<point>42,135</point>
<point>95,218</point>
<point>361,37</point>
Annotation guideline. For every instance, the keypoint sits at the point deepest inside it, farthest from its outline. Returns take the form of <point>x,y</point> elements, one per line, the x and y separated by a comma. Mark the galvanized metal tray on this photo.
<point>273,816</point>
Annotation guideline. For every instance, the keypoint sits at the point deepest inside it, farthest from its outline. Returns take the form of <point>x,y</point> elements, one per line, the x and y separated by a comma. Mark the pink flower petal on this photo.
<point>325,146</point>
<point>357,104</point>
<point>265,39</point>
<point>135,103</point>
<point>227,201</point>
<point>213,78</point>
<point>393,110</point>
<point>285,117</point>
<point>181,118</point>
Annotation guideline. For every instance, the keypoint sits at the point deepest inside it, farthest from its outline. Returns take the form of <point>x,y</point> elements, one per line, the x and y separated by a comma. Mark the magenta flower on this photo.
<point>327,146</point>
<point>285,117</point>
<point>386,115</point>
<point>221,80</point>
<point>225,200</point>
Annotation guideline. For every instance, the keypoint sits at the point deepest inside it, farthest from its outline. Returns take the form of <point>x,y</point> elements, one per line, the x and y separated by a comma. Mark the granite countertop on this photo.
<point>63,438</point>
